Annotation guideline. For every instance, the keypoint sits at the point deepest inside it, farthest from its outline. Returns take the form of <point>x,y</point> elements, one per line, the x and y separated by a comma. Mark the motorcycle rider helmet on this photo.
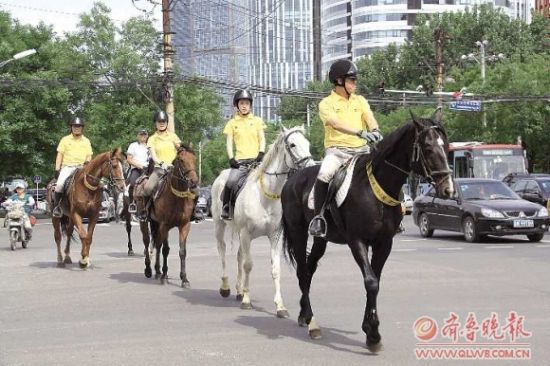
<point>160,115</point>
<point>341,69</point>
<point>241,94</point>
<point>20,185</point>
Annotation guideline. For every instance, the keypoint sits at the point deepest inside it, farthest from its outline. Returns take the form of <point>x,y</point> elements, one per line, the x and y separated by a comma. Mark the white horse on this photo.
<point>258,211</point>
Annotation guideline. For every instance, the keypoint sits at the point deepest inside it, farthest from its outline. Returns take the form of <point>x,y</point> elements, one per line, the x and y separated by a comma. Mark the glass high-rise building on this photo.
<point>355,28</point>
<point>261,43</point>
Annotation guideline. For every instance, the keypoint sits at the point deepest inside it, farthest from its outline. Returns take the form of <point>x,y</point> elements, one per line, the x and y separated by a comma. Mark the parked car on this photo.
<point>512,178</point>
<point>204,203</point>
<point>534,188</point>
<point>408,203</point>
<point>481,207</point>
<point>107,210</point>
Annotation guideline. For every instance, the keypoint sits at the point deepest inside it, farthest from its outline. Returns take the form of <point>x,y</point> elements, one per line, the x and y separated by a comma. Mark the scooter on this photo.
<point>14,223</point>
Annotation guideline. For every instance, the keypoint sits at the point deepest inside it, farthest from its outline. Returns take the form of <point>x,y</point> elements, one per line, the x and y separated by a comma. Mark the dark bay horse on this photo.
<point>172,207</point>
<point>370,214</point>
<point>83,199</point>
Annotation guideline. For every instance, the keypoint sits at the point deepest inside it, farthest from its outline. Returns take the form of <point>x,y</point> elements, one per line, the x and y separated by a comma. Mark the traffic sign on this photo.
<point>466,105</point>
<point>37,179</point>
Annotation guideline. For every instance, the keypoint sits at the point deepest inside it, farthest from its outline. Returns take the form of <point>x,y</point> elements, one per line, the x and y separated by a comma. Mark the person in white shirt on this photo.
<point>138,156</point>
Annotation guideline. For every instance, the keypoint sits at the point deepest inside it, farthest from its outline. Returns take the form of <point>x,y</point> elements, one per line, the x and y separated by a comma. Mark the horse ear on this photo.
<point>283,128</point>
<point>437,115</point>
<point>116,152</point>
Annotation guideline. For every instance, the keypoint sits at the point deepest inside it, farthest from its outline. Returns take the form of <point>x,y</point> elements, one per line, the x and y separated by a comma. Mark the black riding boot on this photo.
<point>225,208</point>
<point>317,226</point>
<point>132,208</point>
<point>56,210</point>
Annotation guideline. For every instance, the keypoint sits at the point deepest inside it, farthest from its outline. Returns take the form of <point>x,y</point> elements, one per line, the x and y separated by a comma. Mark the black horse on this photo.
<point>369,215</point>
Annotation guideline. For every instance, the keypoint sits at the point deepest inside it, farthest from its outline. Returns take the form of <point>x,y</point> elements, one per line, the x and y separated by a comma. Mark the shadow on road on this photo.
<point>273,328</point>
<point>207,297</point>
<point>124,255</point>
<point>134,277</point>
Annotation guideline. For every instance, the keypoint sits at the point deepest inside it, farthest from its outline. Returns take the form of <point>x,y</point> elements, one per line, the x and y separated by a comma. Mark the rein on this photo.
<point>94,188</point>
<point>182,177</point>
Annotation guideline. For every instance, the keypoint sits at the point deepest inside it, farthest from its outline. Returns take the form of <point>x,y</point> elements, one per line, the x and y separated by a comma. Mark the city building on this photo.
<point>355,28</point>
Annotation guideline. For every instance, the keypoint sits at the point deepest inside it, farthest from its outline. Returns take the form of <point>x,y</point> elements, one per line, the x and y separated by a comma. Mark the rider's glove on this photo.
<point>233,163</point>
<point>260,156</point>
<point>56,174</point>
<point>371,137</point>
<point>163,165</point>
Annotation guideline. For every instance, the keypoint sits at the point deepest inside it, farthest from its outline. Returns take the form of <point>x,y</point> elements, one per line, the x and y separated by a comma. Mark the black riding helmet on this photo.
<point>160,116</point>
<point>241,94</point>
<point>341,69</point>
<point>77,121</point>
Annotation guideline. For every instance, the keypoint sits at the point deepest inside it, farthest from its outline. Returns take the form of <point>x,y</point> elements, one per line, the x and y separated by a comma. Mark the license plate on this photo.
<point>523,223</point>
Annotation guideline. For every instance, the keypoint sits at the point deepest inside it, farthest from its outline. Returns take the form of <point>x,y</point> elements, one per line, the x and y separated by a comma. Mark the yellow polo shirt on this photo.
<point>164,146</point>
<point>74,150</point>
<point>355,112</point>
<point>245,131</point>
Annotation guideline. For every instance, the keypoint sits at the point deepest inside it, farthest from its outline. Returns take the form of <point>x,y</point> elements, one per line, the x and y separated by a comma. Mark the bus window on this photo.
<point>461,167</point>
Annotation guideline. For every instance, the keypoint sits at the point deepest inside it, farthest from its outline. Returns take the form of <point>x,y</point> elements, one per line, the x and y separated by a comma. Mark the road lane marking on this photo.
<point>543,246</point>
<point>451,248</point>
<point>545,241</point>
<point>499,247</point>
<point>404,250</point>
<point>412,239</point>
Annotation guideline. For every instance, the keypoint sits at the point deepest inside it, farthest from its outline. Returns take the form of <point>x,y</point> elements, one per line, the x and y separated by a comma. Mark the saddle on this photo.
<point>238,187</point>
<point>50,189</point>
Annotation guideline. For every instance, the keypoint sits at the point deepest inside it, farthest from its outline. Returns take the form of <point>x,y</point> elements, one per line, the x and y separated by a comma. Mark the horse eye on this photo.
<point>292,145</point>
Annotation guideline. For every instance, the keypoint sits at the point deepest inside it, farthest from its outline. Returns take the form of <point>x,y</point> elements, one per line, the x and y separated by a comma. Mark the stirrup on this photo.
<point>322,233</point>
<point>132,208</point>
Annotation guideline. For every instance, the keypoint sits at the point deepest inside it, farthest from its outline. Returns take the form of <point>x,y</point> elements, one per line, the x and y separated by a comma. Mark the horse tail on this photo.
<point>289,250</point>
<point>64,224</point>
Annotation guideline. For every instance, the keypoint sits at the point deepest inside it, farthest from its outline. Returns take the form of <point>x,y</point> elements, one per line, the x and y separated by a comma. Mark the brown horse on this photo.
<point>172,207</point>
<point>83,199</point>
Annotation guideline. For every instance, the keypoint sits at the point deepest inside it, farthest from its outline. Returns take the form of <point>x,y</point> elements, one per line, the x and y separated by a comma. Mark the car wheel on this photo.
<point>424,226</point>
<point>533,238</point>
<point>470,230</point>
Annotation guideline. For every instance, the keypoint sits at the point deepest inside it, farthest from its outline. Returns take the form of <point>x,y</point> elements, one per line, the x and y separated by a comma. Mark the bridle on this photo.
<point>97,180</point>
<point>296,161</point>
<point>182,175</point>
<point>419,159</point>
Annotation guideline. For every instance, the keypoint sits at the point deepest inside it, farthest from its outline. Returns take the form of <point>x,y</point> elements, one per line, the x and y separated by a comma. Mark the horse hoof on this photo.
<point>302,321</point>
<point>282,313</point>
<point>239,297</point>
<point>130,253</point>
<point>374,347</point>
<point>157,276</point>
<point>60,265</point>
<point>68,260</point>
<point>148,272</point>
<point>315,334</point>
<point>185,284</point>
<point>225,293</point>
<point>246,306</point>
<point>83,265</point>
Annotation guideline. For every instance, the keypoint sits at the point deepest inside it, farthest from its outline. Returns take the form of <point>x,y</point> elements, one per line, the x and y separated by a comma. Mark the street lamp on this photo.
<point>18,56</point>
<point>472,57</point>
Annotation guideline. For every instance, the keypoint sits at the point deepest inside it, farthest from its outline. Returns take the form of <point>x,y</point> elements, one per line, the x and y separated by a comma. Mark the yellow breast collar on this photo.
<point>182,194</point>
<point>380,194</point>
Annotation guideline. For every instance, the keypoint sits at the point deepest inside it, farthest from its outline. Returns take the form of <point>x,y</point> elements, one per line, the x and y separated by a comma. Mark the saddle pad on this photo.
<point>342,190</point>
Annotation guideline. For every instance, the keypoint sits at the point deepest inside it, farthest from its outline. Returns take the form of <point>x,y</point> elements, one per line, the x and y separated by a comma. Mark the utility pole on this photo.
<point>317,54</point>
<point>439,38</point>
<point>168,87</point>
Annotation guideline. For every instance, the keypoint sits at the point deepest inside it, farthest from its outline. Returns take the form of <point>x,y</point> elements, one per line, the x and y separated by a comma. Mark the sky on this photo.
<point>64,14</point>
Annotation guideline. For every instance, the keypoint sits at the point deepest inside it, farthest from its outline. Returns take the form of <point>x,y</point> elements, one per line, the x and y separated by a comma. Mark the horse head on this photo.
<point>111,168</point>
<point>296,147</point>
<point>429,156</point>
<point>185,166</point>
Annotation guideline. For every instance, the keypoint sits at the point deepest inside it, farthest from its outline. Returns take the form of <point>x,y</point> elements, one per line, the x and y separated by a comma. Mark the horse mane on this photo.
<point>97,160</point>
<point>272,152</point>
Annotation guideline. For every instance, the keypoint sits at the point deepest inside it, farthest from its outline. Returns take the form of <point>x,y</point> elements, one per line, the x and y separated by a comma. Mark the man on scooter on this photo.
<point>21,196</point>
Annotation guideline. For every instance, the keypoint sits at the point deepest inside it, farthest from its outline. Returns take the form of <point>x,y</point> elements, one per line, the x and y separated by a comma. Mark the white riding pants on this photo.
<point>334,158</point>
<point>63,175</point>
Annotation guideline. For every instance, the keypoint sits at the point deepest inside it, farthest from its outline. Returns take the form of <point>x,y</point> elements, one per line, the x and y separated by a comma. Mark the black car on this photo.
<point>481,207</point>
<point>512,178</point>
<point>534,188</point>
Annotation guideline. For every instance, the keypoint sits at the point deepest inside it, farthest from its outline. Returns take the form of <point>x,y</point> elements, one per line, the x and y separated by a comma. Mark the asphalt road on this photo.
<point>111,314</point>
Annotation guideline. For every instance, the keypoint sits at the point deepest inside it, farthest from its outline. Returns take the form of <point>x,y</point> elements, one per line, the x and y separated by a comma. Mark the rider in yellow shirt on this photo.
<point>349,125</point>
<point>245,135</point>
<point>73,152</point>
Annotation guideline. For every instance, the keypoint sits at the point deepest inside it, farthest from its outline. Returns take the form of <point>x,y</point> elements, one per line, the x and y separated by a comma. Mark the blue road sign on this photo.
<point>466,105</point>
<point>37,179</point>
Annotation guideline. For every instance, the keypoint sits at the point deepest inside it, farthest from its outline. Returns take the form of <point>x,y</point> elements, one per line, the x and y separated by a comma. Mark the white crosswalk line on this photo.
<point>451,248</point>
<point>499,247</point>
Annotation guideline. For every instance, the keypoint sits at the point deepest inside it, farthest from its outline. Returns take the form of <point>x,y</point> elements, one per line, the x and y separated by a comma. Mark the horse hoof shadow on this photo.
<point>225,293</point>
<point>374,347</point>
<point>246,306</point>
<point>302,321</point>
<point>185,284</point>
<point>282,314</point>
<point>60,265</point>
<point>130,253</point>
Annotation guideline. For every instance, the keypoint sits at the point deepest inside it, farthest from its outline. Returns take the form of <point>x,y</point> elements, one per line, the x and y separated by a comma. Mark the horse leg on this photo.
<point>380,254</point>
<point>282,312</point>
<point>247,266</point>
<point>370,280</point>
<point>69,232</point>
<point>85,260</point>
<point>306,314</point>
<point>184,232</point>
<point>225,291</point>
<point>56,222</point>
<point>239,284</point>
<point>165,252</point>
<point>129,231</point>
<point>146,252</point>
